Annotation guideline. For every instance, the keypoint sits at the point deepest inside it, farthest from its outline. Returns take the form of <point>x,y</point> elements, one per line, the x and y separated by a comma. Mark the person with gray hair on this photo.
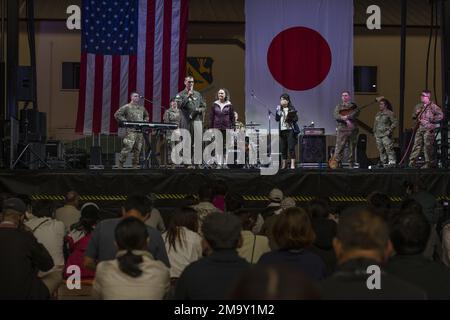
<point>212,277</point>
<point>69,213</point>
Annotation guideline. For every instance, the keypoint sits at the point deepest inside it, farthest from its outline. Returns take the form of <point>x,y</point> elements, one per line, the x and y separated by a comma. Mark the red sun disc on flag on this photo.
<point>299,58</point>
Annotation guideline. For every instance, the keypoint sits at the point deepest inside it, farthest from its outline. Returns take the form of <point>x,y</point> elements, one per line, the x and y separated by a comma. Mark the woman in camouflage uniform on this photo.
<point>384,125</point>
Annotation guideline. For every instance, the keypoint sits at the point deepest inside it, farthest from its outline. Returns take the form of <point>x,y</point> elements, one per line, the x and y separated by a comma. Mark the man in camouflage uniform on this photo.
<point>172,115</point>
<point>428,115</point>
<point>347,129</point>
<point>383,127</point>
<point>133,140</point>
<point>192,107</point>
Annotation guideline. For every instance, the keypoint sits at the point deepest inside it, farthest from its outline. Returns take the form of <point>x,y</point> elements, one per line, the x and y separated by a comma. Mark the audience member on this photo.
<point>21,256</point>
<point>293,235</point>
<point>253,246</point>
<point>267,228</point>
<point>275,198</point>
<point>213,277</point>
<point>78,239</point>
<point>380,204</point>
<point>50,232</point>
<point>69,213</point>
<point>205,206</point>
<point>410,231</point>
<point>220,190</point>
<point>154,218</point>
<point>233,201</point>
<point>101,246</point>
<point>362,241</point>
<point>274,283</point>
<point>134,274</point>
<point>324,227</point>
<point>183,243</point>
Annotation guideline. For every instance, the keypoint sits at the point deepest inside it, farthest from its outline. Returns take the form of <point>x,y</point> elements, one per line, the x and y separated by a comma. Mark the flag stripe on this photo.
<point>149,53</point>
<point>115,92</point>
<point>175,60</point>
<point>98,93</point>
<point>124,67</point>
<point>183,43</point>
<point>106,100</point>
<point>89,103</point>
<point>165,90</point>
<point>82,94</point>
<point>157,81</point>
<point>132,74</point>
<point>140,87</point>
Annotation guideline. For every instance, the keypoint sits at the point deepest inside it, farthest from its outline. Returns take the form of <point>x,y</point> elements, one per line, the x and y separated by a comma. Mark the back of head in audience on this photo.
<point>248,218</point>
<point>276,195</point>
<point>183,217</point>
<point>222,231</point>
<point>293,230</point>
<point>318,209</point>
<point>72,198</point>
<point>411,204</point>
<point>410,231</point>
<point>137,206</point>
<point>380,204</point>
<point>233,201</point>
<point>43,208</point>
<point>27,200</point>
<point>205,193</point>
<point>13,210</point>
<point>268,282</point>
<point>131,234</point>
<point>362,234</point>
<point>287,203</point>
<point>90,214</point>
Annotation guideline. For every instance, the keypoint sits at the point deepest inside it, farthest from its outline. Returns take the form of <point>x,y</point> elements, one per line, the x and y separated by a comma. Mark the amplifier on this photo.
<point>314,131</point>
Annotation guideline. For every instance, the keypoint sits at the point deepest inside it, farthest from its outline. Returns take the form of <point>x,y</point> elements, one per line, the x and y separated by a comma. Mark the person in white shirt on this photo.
<point>50,233</point>
<point>134,274</point>
<point>69,213</point>
<point>253,246</point>
<point>183,243</point>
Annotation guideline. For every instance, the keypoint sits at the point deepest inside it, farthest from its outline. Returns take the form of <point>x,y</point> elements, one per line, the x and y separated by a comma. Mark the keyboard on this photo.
<point>148,125</point>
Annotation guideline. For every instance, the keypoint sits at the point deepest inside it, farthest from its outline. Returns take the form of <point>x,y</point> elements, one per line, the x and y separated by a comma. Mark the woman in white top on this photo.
<point>183,243</point>
<point>134,274</point>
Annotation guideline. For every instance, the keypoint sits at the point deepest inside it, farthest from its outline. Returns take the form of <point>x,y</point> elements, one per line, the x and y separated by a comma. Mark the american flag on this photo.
<point>126,46</point>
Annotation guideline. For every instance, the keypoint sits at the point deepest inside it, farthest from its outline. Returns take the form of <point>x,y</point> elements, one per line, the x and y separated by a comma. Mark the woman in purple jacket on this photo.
<point>222,116</point>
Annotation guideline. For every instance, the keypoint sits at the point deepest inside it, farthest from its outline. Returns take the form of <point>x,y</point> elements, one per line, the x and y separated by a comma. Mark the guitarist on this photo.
<point>346,114</point>
<point>427,115</point>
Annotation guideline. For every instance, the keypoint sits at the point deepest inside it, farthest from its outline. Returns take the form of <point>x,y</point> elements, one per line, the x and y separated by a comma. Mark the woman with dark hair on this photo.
<point>183,243</point>
<point>383,127</point>
<point>76,242</point>
<point>134,274</point>
<point>294,234</point>
<point>222,117</point>
<point>287,117</point>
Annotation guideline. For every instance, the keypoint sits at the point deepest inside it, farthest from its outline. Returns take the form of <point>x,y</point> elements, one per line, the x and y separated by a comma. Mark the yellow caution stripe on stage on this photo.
<point>178,196</point>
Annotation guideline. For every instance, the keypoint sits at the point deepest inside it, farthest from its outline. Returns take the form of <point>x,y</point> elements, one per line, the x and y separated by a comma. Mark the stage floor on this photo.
<point>110,187</point>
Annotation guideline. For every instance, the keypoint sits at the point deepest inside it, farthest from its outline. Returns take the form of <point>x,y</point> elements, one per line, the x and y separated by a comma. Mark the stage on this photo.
<point>110,187</point>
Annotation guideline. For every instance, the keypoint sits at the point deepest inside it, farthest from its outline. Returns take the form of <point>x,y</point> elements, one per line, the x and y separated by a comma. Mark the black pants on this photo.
<point>287,144</point>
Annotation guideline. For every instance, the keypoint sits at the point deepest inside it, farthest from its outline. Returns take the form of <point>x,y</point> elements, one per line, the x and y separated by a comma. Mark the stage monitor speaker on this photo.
<point>25,83</point>
<point>37,125</point>
<point>361,155</point>
<point>54,149</point>
<point>313,149</point>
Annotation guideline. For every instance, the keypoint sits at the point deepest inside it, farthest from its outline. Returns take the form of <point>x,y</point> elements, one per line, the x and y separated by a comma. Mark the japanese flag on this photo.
<point>303,48</point>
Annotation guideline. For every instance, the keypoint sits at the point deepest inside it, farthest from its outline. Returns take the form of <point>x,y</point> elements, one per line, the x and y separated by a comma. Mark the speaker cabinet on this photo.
<point>29,160</point>
<point>313,149</point>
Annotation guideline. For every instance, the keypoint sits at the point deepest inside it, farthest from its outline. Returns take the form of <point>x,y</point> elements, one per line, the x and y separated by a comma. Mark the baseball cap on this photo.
<point>15,204</point>
<point>276,195</point>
